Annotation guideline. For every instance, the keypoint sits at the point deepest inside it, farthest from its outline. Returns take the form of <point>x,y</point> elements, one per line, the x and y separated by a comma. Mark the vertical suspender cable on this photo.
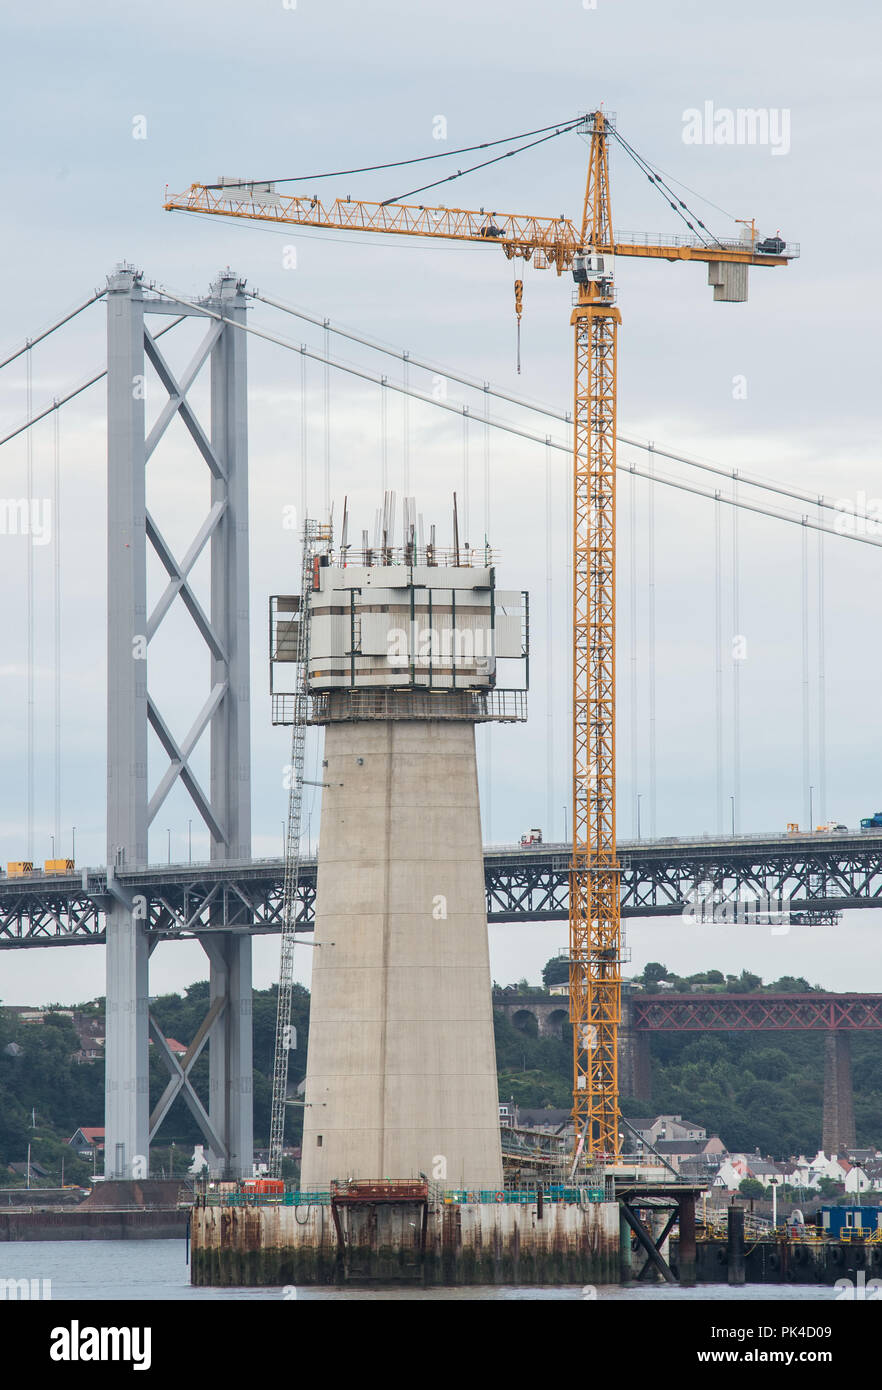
<point>327,418</point>
<point>718,662</point>
<point>487,461</point>
<point>632,598</point>
<point>549,649</point>
<point>30,615</point>
<point>56,615</point>
<point>304,474</point>
<point>488,736</point>
<point>384,440</point>
<point>736,669</point>
<point>651,625</point>
<point>806,736</point>
<point>406,424</point>
<point>822,690</point>
<point>465,480</point>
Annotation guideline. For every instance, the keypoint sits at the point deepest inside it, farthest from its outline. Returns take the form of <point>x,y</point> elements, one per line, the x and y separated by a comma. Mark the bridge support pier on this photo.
<point>225,807</point>
<point>634,1063</point>
<point>838,1132</point>
<point>230,1060</point>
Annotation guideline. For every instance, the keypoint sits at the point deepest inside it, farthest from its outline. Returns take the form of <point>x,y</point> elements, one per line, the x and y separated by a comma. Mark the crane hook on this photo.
<point>519,309</point>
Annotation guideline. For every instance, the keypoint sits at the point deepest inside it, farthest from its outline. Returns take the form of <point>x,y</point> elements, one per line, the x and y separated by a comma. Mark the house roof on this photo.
<point>680,1146</point>
<point>36,1167</point>
<point>91,1134</point>
<point>543,1117</point>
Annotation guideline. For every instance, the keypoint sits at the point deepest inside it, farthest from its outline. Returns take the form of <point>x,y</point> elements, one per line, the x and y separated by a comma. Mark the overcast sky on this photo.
<point>784,387</point>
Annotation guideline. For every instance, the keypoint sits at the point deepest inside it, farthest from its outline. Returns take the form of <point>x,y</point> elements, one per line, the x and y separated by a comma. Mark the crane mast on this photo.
<point>595,904</point>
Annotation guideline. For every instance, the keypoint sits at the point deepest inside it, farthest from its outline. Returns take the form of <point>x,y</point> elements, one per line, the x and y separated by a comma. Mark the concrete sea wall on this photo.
<point>405,1242</point>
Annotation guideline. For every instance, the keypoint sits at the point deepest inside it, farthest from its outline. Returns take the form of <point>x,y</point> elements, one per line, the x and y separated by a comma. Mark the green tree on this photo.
<point>556,971</point>
<point>750,1187</point>
<point>828,1187</point>
<point>655,971</point>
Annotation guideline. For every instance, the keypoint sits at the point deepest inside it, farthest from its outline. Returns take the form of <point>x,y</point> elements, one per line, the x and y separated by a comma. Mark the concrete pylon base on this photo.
<point>401,1075</point>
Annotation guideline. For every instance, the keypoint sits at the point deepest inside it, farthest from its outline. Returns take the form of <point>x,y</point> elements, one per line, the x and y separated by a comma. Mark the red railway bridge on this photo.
<point>837,1016</point>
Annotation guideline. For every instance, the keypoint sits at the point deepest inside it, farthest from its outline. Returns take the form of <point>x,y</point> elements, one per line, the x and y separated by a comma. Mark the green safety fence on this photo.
<point>459,1197</point>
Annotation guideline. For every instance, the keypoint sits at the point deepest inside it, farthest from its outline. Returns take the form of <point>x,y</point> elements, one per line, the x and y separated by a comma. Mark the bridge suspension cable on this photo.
<point>732,474</point>
<point>58,401</point>
<point>507,428</point>
<point>47,332</point>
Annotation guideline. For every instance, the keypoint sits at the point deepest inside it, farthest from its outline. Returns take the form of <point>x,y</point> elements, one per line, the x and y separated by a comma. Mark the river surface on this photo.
<point>91,1270</point>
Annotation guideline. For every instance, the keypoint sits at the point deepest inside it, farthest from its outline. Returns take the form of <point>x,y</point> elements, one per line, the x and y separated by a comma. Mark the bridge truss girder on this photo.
<point>183,901</point>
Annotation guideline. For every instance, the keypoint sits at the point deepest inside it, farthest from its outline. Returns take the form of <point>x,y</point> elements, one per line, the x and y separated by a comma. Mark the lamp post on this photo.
<point>168,833</point>
<point>73,843</point>
<point>190,840</point>
<point>732,799</point>
<point>52,838</point>
<point>566,826</point>
<point>811,808</point>
<point>639,799</point>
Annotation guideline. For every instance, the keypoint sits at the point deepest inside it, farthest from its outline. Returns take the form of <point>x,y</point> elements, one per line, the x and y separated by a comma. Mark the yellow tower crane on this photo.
<point>587,251</point>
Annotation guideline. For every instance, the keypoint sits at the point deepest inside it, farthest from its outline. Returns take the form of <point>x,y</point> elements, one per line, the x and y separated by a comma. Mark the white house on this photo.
<point>856,1180</point>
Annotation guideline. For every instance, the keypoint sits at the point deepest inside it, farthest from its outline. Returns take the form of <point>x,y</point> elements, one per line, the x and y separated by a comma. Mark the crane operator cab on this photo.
<point>589,266</point>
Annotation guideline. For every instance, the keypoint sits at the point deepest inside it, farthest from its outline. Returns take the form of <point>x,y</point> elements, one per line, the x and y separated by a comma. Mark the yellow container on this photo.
<point>58,866</point>
<point>19,868</point>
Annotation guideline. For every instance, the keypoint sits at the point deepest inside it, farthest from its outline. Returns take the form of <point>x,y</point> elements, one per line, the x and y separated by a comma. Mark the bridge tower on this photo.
<point>225,806</point>
<point>403,646</point>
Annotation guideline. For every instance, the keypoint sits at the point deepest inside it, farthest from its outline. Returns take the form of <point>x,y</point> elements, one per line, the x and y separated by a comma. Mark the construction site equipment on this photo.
<point>19,868</point>
<point>315,536</point>
<point>588,251</point>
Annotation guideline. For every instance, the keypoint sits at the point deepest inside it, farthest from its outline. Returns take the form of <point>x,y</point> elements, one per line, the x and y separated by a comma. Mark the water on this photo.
<point>142,1270</point>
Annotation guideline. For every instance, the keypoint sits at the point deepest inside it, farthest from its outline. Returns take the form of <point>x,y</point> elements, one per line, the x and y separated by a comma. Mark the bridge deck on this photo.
<point>783,880</point>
